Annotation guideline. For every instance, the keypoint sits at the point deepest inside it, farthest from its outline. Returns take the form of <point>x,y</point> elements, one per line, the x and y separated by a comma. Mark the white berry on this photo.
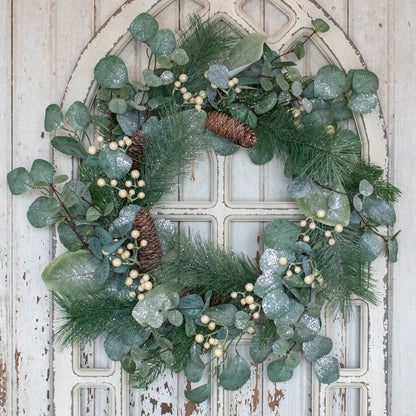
<point>92,150</point>
<point>297,269</point>
<point>204,319</point>
<point>339,228</point>
<point>303,223</point>
<point>199,338</point>
<point>113,183</point>
<point>199,100</point>
<point>328,233</point>
<point>122,193</point>
<point>256,315</point>
<point>331,242</point>
<point>321,213</point>
<point>129,281</point>
<point>252,306</point>
<point>289,273</point>
<point>135,234</point>
<point>211,326</point>
<point>249,287</point>
<point>128,184</point>
<point>99,139</point>
<point>251,330</point>
<point>249,300</point>
<point>135,174</point>
<point>134,274</point>
<point>177,84</point>
<point>116,262</point>
<point>312,226</point>
<point>234,295</point>
<point>283,261</point>
<point>183,90</point>
<point>306,238</point>
<point>207,345</point>
<point>113,146</point>
<point>101,182</point>
<point>141,183</point>
<point>121,143</point>
<point>143,243</point>
<point>140,296</point>
<point>187,96</point>
<point>146,278</point>
<point>309,279</point>
<point>183,78</point>
<point>125,255</point>
<point>148,285</point>
<point>132,294</point>
<point>237,90</point>
<point>218,352</point>
<point>141,195</point>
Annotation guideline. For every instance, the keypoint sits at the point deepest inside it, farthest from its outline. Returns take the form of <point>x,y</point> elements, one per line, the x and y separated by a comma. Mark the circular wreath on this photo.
<point>163,299</point>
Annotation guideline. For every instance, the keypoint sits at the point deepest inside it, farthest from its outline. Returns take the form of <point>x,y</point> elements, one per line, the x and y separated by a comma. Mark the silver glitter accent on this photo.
<point>126,217</point>
<point>166,230</point>
<point>275,304</point>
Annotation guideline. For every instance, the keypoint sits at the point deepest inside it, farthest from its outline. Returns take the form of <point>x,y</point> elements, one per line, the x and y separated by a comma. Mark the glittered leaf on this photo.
<point>281,234</point>
<point>285,331</point>
<point>92,214</point>
<point>144,27</point>
<point>111,72</point>
<point>175,318</point>
<point>129,121</point>
<point>114,163</point>
<point>19,181</point>
<point>380,211</point>
<point>124,220</point>
<point>43,212</point>
<point>299,187</point>
<point>236,374</point>
<point>199,394</point>
<point>222,313</point>
<point>266,103</point>
<point>293,74</point>
<point>78,116</point>
<point>320,25</point>
<point>151,79</point>
<point>278,372</point>
<point>366,189</point>
<point>329,82</point>
<point>117,106</point>
<point>194,372</point>
<point>296,89</point>
<point>221,146</point>
<point>265,283</point>
<point>69,146</point>
<point>167,78</point>
<point>163,43</point>
<point>54,118</point>
<point>241,320</point>
<point>68,237</point>
<point>259,352</point>
<point>316,348</point>
<point>293,359</point>
<point>364,81</point>
<point>363,103</point>
<point>269,261</point>
<point>281,82</point>
<point>357,202</point>
<point>218,75</point>
<point>129,365</point>
<point>327,369</point>
<point>180,56</point>
<point>191,306</point>
<point>114,348</point>
<point>275,304</point>
<point>370,246</point>
<point>281,346</point>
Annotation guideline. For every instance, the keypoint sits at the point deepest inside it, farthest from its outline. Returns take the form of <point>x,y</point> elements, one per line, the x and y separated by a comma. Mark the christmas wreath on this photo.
<point>161,299</point>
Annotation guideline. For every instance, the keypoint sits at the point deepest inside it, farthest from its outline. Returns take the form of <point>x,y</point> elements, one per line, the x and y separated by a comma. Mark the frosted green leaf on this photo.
<point>265,283</point>
<point>284,98</point>
<point>180,56</point>
<point>241,320</point>
<point>299,187</point>
<point>151,311</point>
<point>340,110</point>
<point>175,318</point>
<point>163,43</point>
<point>282,83</point>
<point>151,79</point>
<point>266,84</point>
<point>144,27</point>
<point>221,146</point>
<point>280,234</point>
<point>117,106</point>
<point>285,331</point>
<point>293,74</point>
<point>362,103</point>
<point>266,103</point>
<point>194,372</point>
<point>124,220</point>
<point>366,188</point>
<point>317,348</point>
<point>114,163</point>
<point>60,179</point>
<point>335,204</point>
<point>370,246</point>
<point>327,369</point>
<point>278,372</point>
<point>269,261</point>
<point>293,360</point>
<point>102,272</point>
<point>19,181</point>
<point>111,72</point>
<point>297,89</point>
<point>129,365</point>
<point>138,353</point>
<point>218,75</point>
<point>236,374</point>
<point>392,249</point>
<point>164,62</point>
<point>222,313</point>
<point>54,118</point>
<point>320,25</point>
<point>307,328</point>
<point>68,237</point>
<point>198,395</point>
<point>357,202</point>
<point>258,352</point>
<point>247,51</point>
<point>43,212</point>
<point>191,306</point>
<point>167,78</point>
<point>114,348</point>
<point>364,81</point>
<point>299,50</point>
<point>295,311</point>
<point>167,357</point>
<point>329,82</point>
<point>281,346</point>
<point>92,214</point>
<point>275,304</point>
<point>380,211</point>
<point>129,121</point>
<point>69,146</point>
<point>78,116</point>
<point>71,271</point>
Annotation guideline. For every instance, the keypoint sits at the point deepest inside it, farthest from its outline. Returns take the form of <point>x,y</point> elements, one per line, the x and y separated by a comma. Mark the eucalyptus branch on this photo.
<point>367,225</point>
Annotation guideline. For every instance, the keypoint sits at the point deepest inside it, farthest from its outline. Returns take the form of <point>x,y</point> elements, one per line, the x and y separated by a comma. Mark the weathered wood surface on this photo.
<point>40,43</point>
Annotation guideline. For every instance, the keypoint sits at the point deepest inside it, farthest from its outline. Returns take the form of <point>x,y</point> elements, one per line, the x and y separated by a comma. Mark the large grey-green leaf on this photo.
<point>180,56</point>
<point>151,79</point>
<point>266,103</point>
<point>275,304</point>
<point>316,348</point>
<point>69,146</point>
<point>281,234</point>
<point>299,187</point>
<point>144,27</point>
<point>364,81</point>
<point>19,181</point>
<point>68,237</point>
<point>199,394</point>
<point>370,246</point>
<point>363,103</point>
<point>71,271</point>
<point>54,118</point>
<point>114,347</point>
<point>41,171</point>
<point>222,313</point>
<point>163,43</point>
<point>78,116</point>
<point>241,320</point>
<point>327,369</point>
<point>222,146</point>
<point>379,210</point>
<point>44,211</point>
<point>114,163</point>
<point>117,105</point>
<point>218,75</point>
<point>329,82</point>
<point>193,371</point>
<point>259,351</point>
<point>236,374</point>
<point>111,72</point>
<point>129,121</point>
<point>278,372</point>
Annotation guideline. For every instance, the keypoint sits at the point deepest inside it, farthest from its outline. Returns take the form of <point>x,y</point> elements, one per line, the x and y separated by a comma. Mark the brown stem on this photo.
<point>155,355</point>
<point>333,190</point>
<point>293,49</point>
<point>367,225</point>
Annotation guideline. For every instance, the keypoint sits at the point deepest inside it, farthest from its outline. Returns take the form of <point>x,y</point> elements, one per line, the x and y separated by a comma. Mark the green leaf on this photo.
<point>108,209</point>
<point>380,211</point>
<point>296,89</point>
<point>285,331</point>
<point>222,313</point>
<point>357,202</point>
<point>71,271</point>
<point>68,237</point>
<point>54,118</point>
<point>281,346</point>
<point>316,348</point>
<point>241,320</point>
<point>236,374</point>
<point>299,50</point>
<point>320,25</point>
<point>266,103</point>
<point>392,249</point>
<point>43,212</point>
<point>218,75</point>
<point>129,121</point>
<point>275,304</point>
<point>151,79</point>
<point>167,357</point>
<point>247,51</point>
<point>340,110</point>
<point>364,81</point>
<point>251,120</point>
<point>69,146</point>
<point>41,171</point>
<point>156,102</point>
<point>193,371</point>
<point>363,103</point>
<point>366,189</point>
<point>180,56</point>
<point>300,187</point>
<point>100,121</point>
<point>175,318</point>
<point>164,62</point>
<point>78,116</point>
<point>222,146</point>
<point>281,82</point>
<point>60,179</point>
<point>129,365</point>
<point>293,74</point>
<point>167,78</point>
<point>163,43</point>
<point>117,106</point>
<point>262,152</point>
<point>19,181</point>
<point>144,27</point>
<point>151,311</point>
<point>266,84</point>
<point>293,360</point>
<point>198,395</point>
<point>327,369</point>
<point>329,82</point>
<point>102,272</point>
<point>111,72</point>
<point>114,347</point>
<point>191,306</point>
<point>138,353</point>
<point>114,163</point>
<point>278,372</point>
<point>92,214</point>
<point>370,247</point>
<point>281,234</point>
<point>335,204</point>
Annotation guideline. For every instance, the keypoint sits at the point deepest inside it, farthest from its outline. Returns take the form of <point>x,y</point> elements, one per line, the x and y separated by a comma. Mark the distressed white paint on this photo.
<point>47,39</point>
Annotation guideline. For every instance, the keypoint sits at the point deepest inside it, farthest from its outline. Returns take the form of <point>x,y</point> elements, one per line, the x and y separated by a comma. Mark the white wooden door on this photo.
<point>85,383</point>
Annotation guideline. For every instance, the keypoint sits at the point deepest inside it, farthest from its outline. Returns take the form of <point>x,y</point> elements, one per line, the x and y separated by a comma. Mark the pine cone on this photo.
<point>135,150</point>
<point>231,129</point>
<point>150,255</point>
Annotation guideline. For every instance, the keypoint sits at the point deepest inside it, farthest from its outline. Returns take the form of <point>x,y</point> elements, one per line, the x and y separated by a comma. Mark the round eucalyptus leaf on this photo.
<point>370,247</point>
<point>111,72</point>
<point>236,374</point>
<point>281,234</point>
<point>163,43</point>
<point>117,105</point>
<point>144,27</point>
<point>363,103</point>
<point>281,346</point>
<point>266,283</point>
<point>297,89</point>
<point>78,116</point>
<point>114,348</point>
<point>299,187</point>
<point>365,188</point>
<point>329,82</point>
<point>278,372</point>
<point>54,118</point>
<point>194,372</point>
<point>293,74</point>
<point>357,202</point>
<point>19,181</point>
<point>175,318</point>
<point>199,394</point>
<point>151,79</point>
<point>364,81</point>
<point>281,82</point>
<point>327,369</point>
<point>266,103</point>
<point>299,50</point>
<point>241,320</point>
<point>221,146</point>
<point>379,210</point>
<point>114,163</point>
<point>69,146</point>
<point>316,348</point>
<point>180,56</point>
<point>129,121</point>
<point>320,25</point>
<point>218,75</point>
<point>275,304</point>
<point>44,211</point>
<point>129,365</point>
<point>167,77</point>
<point>259,351</point>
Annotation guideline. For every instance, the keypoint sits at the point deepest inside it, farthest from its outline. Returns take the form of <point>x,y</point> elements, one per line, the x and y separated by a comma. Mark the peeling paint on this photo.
<point>274,401</point>
<point>3,385</point>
